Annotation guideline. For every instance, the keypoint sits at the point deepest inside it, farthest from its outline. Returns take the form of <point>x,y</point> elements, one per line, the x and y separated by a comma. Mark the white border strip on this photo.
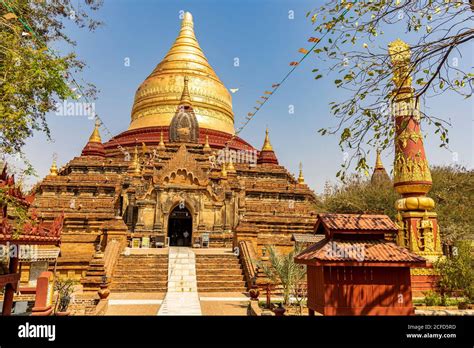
<point>134,302</point>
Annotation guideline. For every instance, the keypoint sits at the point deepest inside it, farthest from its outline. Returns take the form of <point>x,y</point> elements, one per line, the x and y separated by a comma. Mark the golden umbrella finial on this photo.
<point>95,136</point>
<point>187,20</point>
<point>267,146</point>
<point>185,97</point>
<point>301,177</point>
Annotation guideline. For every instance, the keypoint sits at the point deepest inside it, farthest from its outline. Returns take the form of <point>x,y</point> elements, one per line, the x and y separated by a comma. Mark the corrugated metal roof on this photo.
<point>306,237</point>
<point>39,254</point>
<point>357,222</point>
<point>359,251</point>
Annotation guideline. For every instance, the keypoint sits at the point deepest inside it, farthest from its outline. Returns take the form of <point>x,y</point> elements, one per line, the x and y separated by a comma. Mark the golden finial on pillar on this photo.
<point>400,56</point>
<point>301,177</point>
<point>95,136</point>
<point>267,146</point>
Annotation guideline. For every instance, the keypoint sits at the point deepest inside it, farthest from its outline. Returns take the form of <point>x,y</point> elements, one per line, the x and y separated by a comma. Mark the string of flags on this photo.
<point>267,94</point>
<point>294,64</point>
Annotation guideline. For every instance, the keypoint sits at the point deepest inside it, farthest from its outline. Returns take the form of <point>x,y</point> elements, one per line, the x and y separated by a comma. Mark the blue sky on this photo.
<point>265,39</point>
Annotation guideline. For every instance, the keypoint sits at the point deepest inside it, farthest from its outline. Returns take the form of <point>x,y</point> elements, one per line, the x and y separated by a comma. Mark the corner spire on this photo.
<point>161,145</point>
<point>135,165</point>
<point>95,136</point>
<point>301,177</point>
<point>207,147</point>
<point>267,155</point>
<point>223,171</point>
<point>230,166</point>
<point>53,171</point>
<point>94,146</point>
<point>267,146</point>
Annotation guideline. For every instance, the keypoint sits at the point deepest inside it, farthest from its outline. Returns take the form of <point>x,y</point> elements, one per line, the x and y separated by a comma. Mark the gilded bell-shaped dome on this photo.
<point>159,95</point>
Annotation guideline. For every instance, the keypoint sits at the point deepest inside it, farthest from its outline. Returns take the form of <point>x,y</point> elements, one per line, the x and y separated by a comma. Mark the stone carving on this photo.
<point>181,162</point>
<point>184,126</point>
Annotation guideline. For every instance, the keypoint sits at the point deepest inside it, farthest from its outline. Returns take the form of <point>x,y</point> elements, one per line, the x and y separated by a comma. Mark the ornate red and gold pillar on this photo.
<point>418,223</point>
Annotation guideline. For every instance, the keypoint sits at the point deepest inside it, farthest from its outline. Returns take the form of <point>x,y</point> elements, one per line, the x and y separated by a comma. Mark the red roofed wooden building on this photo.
<point>354,270</point>
<point>12,240</point>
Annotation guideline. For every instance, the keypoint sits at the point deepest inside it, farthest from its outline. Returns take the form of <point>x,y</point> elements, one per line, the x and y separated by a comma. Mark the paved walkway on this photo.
<point>134,303</point>
<point>182,297</point>
<point>224,303</point>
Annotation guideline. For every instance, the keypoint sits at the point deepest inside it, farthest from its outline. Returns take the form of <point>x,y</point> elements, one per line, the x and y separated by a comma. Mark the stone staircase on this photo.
<point>182,297</point>
<point>219,273</point>
<point>140,273</point>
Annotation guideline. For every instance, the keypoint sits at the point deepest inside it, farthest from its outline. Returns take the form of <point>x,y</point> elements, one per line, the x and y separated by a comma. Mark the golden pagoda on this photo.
<point>158,96</point>
<point>173,187</point>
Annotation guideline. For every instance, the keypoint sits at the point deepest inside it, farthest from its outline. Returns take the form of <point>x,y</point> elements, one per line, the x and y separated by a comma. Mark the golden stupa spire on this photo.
<point>301,177</point>
<point>267,146</point>
<point>158,96</point>
<point>378,161</point>
<point>95,136</point>
<point>53,171</point>
<point>185,97</point>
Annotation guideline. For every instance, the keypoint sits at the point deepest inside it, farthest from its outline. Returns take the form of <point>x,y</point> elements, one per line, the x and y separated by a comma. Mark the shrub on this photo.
<point>432,298</point>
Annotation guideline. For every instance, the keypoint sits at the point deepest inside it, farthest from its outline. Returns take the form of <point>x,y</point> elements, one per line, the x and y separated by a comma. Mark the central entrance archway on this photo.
<point>180,226</point>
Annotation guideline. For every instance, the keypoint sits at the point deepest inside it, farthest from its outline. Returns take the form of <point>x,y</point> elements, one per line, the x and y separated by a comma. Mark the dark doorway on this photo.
<point>180,227</point>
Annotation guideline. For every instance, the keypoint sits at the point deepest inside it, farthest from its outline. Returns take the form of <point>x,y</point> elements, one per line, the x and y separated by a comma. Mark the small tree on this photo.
<point>456,273</point>
<point>282,269</point>
<point>65,289</point>
<point>351,37</point>
<point>33,76</point>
